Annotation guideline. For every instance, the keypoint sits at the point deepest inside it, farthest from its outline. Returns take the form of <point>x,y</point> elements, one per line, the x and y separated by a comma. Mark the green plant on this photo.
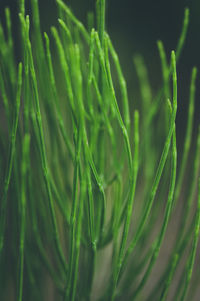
<point>88,194</point>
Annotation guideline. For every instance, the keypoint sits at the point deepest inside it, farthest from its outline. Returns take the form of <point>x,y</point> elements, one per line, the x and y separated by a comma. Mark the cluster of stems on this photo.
<point>89,194</point>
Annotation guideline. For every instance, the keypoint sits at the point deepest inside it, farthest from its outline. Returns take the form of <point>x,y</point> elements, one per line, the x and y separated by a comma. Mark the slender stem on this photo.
<point>25,154</point>
<point>10,159</point>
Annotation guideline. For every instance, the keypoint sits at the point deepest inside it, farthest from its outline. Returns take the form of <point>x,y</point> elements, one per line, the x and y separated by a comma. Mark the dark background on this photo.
<point>135,26</point>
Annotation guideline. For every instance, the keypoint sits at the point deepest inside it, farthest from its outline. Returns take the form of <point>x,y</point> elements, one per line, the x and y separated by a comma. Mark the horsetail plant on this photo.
<point>93,204</point>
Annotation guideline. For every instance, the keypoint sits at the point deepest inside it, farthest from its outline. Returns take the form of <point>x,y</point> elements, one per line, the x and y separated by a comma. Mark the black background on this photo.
<point>135,26</point>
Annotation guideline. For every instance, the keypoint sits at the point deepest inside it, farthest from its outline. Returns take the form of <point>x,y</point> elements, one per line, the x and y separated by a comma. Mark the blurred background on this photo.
<point>135,27</point>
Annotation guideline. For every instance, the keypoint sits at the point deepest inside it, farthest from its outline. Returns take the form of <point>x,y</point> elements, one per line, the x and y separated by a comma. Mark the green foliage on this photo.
<point>90,200</point>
